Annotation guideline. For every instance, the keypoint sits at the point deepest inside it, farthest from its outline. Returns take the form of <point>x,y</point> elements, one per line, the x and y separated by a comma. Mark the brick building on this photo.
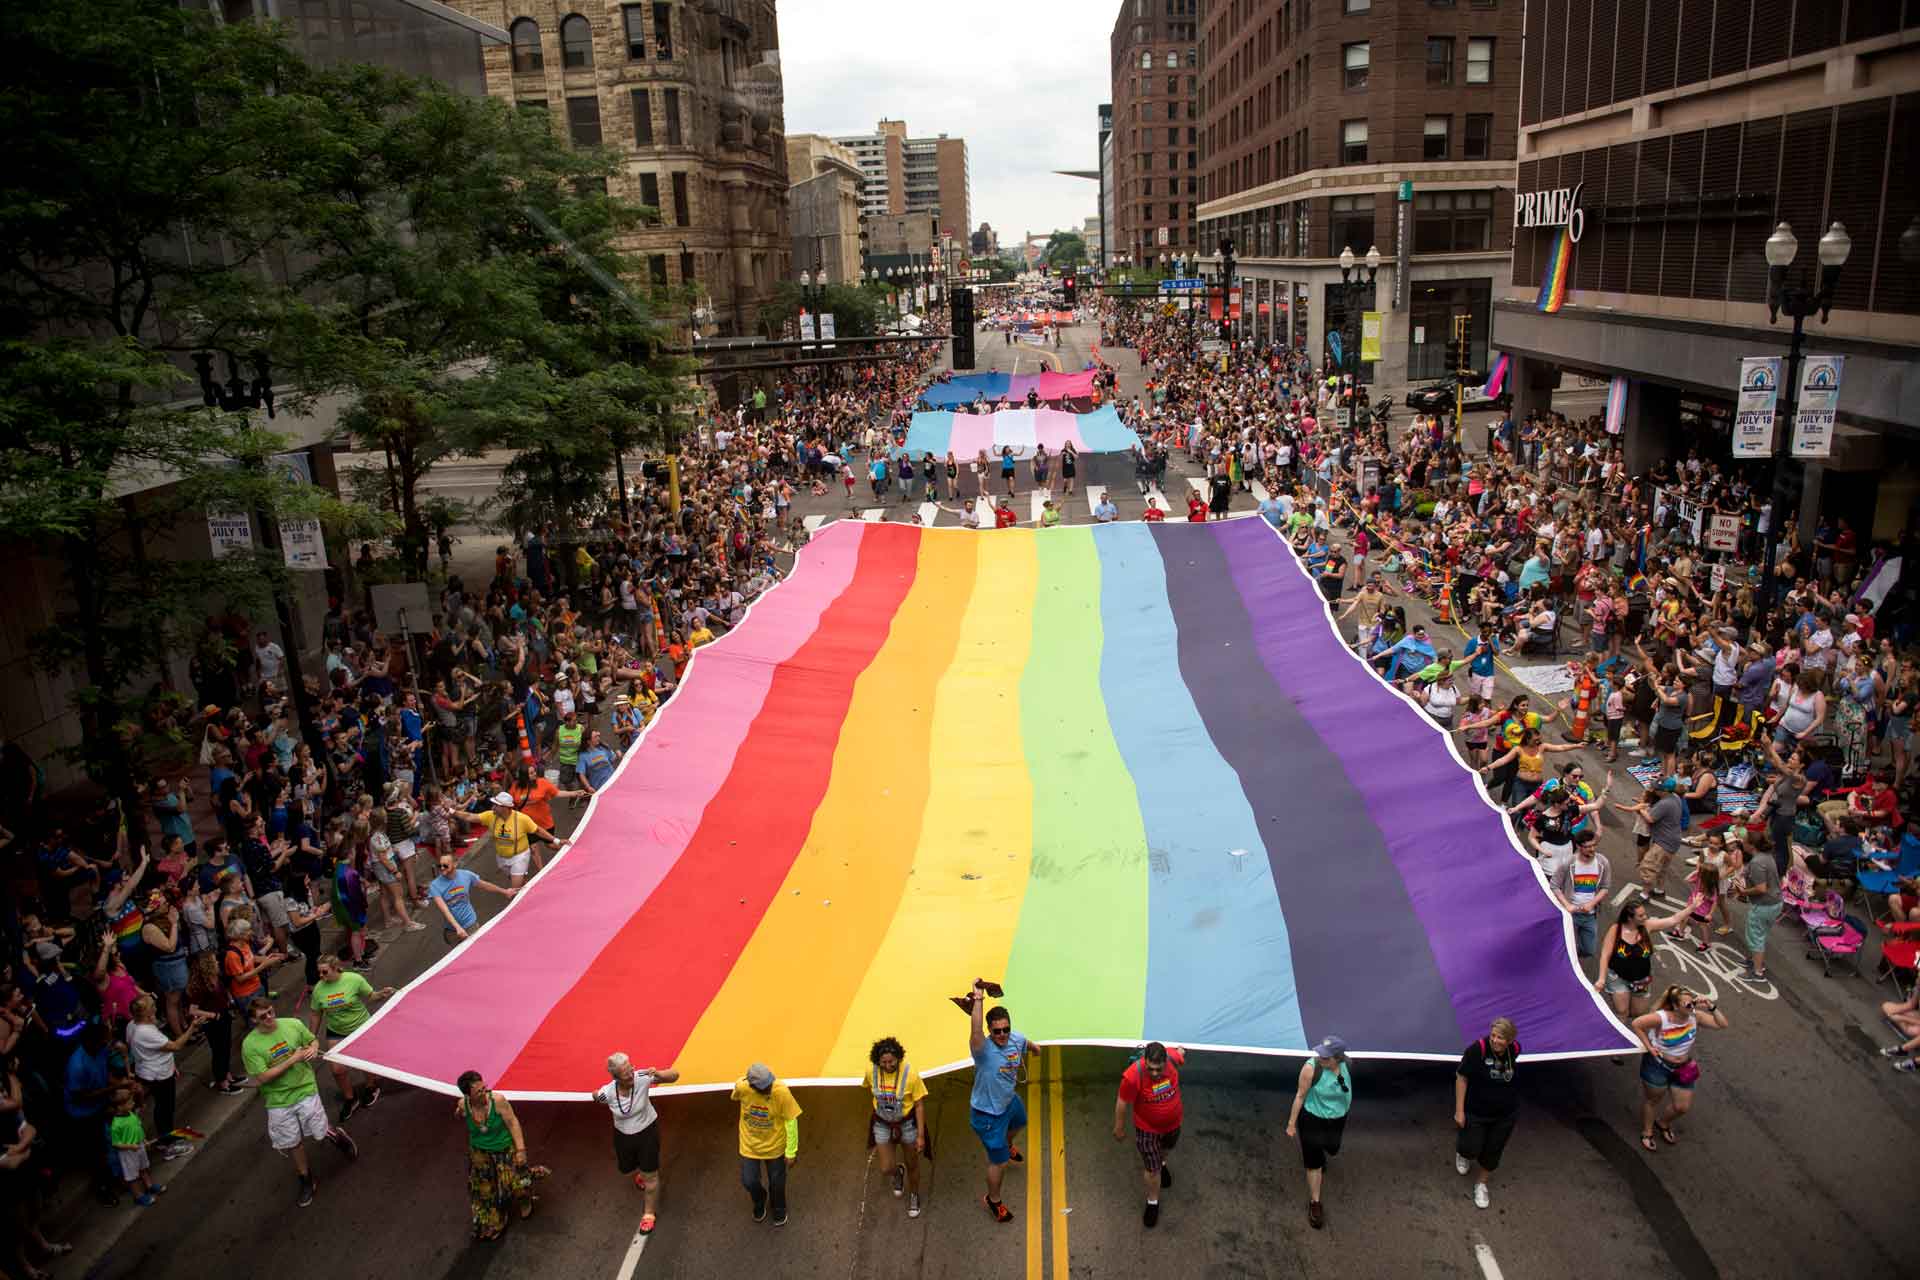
<point>1684,132</point>
<point>1155,141</point>
<point>1361,124</point>
<point>688,92</point>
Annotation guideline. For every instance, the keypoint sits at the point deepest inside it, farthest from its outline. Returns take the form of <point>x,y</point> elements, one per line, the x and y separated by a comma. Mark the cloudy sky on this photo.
<point>1020,80</point>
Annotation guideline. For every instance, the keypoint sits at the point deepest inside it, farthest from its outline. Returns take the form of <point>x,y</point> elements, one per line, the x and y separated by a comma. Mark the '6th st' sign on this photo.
<point>1559,207</point>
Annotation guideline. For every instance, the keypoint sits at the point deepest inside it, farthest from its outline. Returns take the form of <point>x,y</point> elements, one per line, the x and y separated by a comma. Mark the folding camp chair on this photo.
<point>1899,954</point>
<point>1839,944</point>
<point>1885,882</point>
<point>1702,728</point>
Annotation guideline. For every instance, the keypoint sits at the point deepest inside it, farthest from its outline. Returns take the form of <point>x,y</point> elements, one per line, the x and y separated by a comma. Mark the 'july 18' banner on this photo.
<point>1819,399</point>
<point>1753,416</point>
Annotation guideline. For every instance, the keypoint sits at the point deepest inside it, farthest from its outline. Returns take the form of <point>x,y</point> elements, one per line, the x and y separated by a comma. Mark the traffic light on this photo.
<point>1072,294</point>
<point>961,303</point>
<point>1456,355</point>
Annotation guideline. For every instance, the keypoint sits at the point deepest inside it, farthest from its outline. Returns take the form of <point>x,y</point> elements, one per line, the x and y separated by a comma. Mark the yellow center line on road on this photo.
<point>1036,1224</point>
<point>1057,1130</point>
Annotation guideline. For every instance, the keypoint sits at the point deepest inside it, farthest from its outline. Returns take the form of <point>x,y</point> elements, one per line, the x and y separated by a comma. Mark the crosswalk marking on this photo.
<point>873,515</point>
<point>928,510</point>
<point>1260,493</point>
<point>1200,485</point>
<point>1039,500</point>
<point>812,524</point>
<point>1156,499</point>
<point>1095,492</point>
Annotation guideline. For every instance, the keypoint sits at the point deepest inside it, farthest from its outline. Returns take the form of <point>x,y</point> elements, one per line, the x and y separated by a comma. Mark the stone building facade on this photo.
<point>688,93</point>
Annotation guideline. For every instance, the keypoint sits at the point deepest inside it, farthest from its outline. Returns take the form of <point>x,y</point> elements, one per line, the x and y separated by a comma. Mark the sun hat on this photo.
<point>503,798</point>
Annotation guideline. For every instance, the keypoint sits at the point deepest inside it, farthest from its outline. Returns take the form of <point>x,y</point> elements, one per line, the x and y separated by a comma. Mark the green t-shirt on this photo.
<point>264,1050</point>
<point>127,1131</point>
<point>342,1002</point>
<point>568,739</point>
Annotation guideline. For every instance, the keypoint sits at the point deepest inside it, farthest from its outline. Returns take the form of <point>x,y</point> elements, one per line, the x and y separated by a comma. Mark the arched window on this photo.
<point>576,42</point>
<point>526,44</point>
<point>1146,60</point>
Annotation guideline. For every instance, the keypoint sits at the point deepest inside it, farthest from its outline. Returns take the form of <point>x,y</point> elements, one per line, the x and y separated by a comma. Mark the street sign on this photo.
<point>1183,285</point>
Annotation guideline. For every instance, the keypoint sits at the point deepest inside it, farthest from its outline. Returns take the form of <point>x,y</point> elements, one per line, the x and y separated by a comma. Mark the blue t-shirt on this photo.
<point>1483,652</point>
<point>996,1073</point>
<point>86,1071</point>
<point>454,890</point>
<point>597,763</point>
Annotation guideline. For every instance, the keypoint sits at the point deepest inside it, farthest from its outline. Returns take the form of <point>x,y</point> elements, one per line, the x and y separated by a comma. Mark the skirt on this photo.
<point>493,1183</point>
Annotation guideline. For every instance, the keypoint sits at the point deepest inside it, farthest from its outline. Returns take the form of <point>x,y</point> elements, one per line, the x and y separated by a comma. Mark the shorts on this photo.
<point>883,1132</point>
<point>1154,1146</point>
<point>1656,1074</point>
<point>518,864</point>
<point>1760,921</point>
<point>132,1163</point>
<point>638,1151</point>
<point>275,906</point>
<point>170,974</point>
<point>306,1118</point>
<point>381,872</point>
<point>1319,1138</point>
<point>405,849</point>
<point>1484,1139</point>
<point>1613,730</point>
<point>1616,985</point>
<point>1665,739</point>
<point>996,1132</point>
<point>1482,685</point>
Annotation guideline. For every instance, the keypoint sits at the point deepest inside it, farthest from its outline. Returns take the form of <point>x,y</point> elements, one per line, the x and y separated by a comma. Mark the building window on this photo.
<point>657,269</point>
<point>642,118</point>
<point>1146,59</point>
<point>1452,221</point>
<point>576,42</point>
<point>650,194</point>
<point>632,20</point>
<point>1439,4</point>
<point>1484,4</point>
<point>1173,60</point>
<point>663,42</point>
<point>1439,59</point>
<point>532,104</point>
<point>1436,138</point>
<point>1350,223</point>
<point>1356,6</point>
<point>672,105</point>
<point>1480,60</point>
<point>526,45</point>
<point>681,214</point>
<point>583,120</point>
<point>1357,59</point>
<point>1479,138</point>
<point>686,268</point>
<point>1353,142</point>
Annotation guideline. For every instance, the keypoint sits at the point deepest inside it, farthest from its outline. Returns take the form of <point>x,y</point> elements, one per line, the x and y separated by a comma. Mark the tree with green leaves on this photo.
<point>1065,249</point>
<point>154,178</point>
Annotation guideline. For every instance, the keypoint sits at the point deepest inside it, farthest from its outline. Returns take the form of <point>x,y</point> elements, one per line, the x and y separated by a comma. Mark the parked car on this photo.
<point>1439,397</point>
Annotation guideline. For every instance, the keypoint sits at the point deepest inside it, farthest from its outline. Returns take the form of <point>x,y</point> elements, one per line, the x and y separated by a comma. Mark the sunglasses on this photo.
<point>997,1032</point>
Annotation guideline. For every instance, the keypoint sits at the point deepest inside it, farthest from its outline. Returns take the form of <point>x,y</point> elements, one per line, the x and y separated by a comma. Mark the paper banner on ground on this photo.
<point>1547,679</point>
<point>1130,772</point>
<point>964,434</point>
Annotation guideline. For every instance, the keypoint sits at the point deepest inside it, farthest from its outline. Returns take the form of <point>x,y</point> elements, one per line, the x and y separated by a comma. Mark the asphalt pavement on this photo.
<point>1796,1161</point>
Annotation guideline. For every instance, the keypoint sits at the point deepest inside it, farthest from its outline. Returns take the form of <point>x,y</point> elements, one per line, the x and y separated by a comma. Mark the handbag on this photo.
<point>1687,1073</point>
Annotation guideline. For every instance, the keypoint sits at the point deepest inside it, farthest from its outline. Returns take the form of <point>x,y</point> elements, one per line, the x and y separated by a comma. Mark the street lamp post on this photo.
<point>1223,258</point>
<point>1354,283</point>
<point>1798,302</point>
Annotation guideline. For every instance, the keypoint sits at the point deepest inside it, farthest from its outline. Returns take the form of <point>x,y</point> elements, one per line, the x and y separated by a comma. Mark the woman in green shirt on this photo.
<point>497,1171</point>
<point>1319,1116</point>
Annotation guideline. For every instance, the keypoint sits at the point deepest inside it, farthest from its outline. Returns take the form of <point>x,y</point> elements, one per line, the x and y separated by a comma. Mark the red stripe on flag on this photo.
<point>647,989</point>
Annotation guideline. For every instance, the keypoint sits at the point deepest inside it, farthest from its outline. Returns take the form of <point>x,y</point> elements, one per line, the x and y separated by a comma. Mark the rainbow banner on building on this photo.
<point>965,434</point>
<point>1051,387</point>
<point>1128,771</point>
<point>1558,273</point>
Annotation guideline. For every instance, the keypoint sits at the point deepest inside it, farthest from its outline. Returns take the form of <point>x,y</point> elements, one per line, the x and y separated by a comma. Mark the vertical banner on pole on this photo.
<point>1753,415</point>
<point>1370,335</point>
<point>826,328</point>
<point>231,533</point>
<point>1816,405</point>
<point>302,544</point>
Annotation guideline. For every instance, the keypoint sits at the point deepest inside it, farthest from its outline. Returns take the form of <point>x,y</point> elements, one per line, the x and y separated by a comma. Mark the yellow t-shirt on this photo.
<point>510,833</point>
<point>884,1085</point>
<point>699,637</point>
<point>763,1119</point>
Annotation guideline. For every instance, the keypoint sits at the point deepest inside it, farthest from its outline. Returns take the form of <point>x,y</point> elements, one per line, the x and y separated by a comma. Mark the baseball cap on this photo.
<point>502,797</point>
<point>1330,1047</point>
<point>760,1077</point>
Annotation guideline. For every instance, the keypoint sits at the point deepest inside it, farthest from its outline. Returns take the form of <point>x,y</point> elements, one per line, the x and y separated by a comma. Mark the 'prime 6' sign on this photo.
<point>1557,208</point>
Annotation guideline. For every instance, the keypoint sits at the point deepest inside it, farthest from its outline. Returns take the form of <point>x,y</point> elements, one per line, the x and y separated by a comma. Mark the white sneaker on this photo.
<point>1460,1165</point>
<point>1480,1197</point>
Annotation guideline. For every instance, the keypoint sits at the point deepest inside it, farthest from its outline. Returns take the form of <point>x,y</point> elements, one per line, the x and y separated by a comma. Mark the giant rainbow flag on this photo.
<point>962,388</point>
<point>965,434</point>
<point>1129,771</point>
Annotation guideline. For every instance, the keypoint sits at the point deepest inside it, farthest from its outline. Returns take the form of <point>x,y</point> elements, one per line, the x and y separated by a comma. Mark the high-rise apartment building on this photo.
<point>1155,136</point>
<point>688,92</point>
<point>1662,144</point>
<point>1362,124</point>
<point>914,175</point>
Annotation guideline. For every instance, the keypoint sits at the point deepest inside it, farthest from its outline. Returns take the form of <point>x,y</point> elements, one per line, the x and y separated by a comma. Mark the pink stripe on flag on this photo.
<point>972,432</point>
<point>637,830</point>
<point>1055,427</point>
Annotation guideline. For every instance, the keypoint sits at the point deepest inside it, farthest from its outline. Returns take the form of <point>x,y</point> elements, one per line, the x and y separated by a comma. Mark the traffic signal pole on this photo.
<point>1459,345</point>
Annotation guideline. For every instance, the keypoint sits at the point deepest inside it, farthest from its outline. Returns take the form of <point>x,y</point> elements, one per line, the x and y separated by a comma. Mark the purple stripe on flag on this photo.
<point>1502,947</point>
<point>1336,879</point>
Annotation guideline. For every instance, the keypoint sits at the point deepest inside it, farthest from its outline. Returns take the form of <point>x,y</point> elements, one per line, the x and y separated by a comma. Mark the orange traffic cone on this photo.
<point>1446,598</point>
<point>1583,707</point>
<point>526,748</point>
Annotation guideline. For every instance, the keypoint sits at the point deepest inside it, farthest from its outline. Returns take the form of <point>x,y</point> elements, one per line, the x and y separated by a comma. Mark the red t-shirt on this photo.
<point>1003,517</point>
<point>1196,510</point>
<point>1154,514</point>
<point>1156,1103</point>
